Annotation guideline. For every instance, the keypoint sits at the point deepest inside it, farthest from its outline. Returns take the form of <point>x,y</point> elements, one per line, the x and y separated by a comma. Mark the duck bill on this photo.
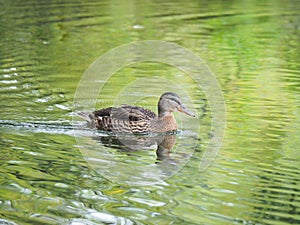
<point>185,110</point>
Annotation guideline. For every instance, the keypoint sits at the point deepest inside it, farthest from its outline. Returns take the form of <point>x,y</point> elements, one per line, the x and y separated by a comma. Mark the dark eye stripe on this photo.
<point>175,100</point>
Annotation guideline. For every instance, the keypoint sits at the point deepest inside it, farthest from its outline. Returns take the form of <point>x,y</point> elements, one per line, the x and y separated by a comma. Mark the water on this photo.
<point>56,171</point>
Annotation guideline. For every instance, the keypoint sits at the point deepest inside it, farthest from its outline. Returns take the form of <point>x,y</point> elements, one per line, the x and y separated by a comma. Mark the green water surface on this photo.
<point>51,173</point>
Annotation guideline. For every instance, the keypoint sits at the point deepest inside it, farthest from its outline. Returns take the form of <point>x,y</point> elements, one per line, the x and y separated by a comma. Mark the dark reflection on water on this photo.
<point>152,158</point>
<point>45,175</point>
<point>164,143</point>
<point>281,192</point>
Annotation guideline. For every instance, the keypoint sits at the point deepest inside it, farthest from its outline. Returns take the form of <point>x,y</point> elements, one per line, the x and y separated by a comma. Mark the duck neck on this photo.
<point>164,123</point>
<point>162,113</point>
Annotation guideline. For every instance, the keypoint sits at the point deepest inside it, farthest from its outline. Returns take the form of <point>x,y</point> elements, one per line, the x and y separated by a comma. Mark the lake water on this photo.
<point>55,170</point>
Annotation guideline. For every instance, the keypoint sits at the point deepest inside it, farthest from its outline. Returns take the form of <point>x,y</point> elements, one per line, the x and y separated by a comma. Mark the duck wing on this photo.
<point>123,119</point>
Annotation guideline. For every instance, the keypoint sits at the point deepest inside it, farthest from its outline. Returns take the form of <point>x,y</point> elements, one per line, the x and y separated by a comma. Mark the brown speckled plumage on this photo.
<point>134,119</point>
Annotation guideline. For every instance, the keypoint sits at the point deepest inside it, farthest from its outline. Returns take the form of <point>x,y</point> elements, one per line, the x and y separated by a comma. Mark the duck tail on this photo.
<point>85,115</point>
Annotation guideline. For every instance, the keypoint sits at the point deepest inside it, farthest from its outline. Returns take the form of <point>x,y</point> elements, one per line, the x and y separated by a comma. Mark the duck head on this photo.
<point>170,102</point>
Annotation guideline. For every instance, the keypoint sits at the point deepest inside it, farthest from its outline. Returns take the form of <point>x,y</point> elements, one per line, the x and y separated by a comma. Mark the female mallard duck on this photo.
<point>134,119</point>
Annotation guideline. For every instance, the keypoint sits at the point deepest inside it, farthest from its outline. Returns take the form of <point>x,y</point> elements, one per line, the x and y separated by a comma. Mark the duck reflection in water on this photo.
<point>133,143</point>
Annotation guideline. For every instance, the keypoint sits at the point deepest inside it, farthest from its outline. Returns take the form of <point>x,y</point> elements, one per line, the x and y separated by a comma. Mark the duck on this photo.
<point>138,120</point>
